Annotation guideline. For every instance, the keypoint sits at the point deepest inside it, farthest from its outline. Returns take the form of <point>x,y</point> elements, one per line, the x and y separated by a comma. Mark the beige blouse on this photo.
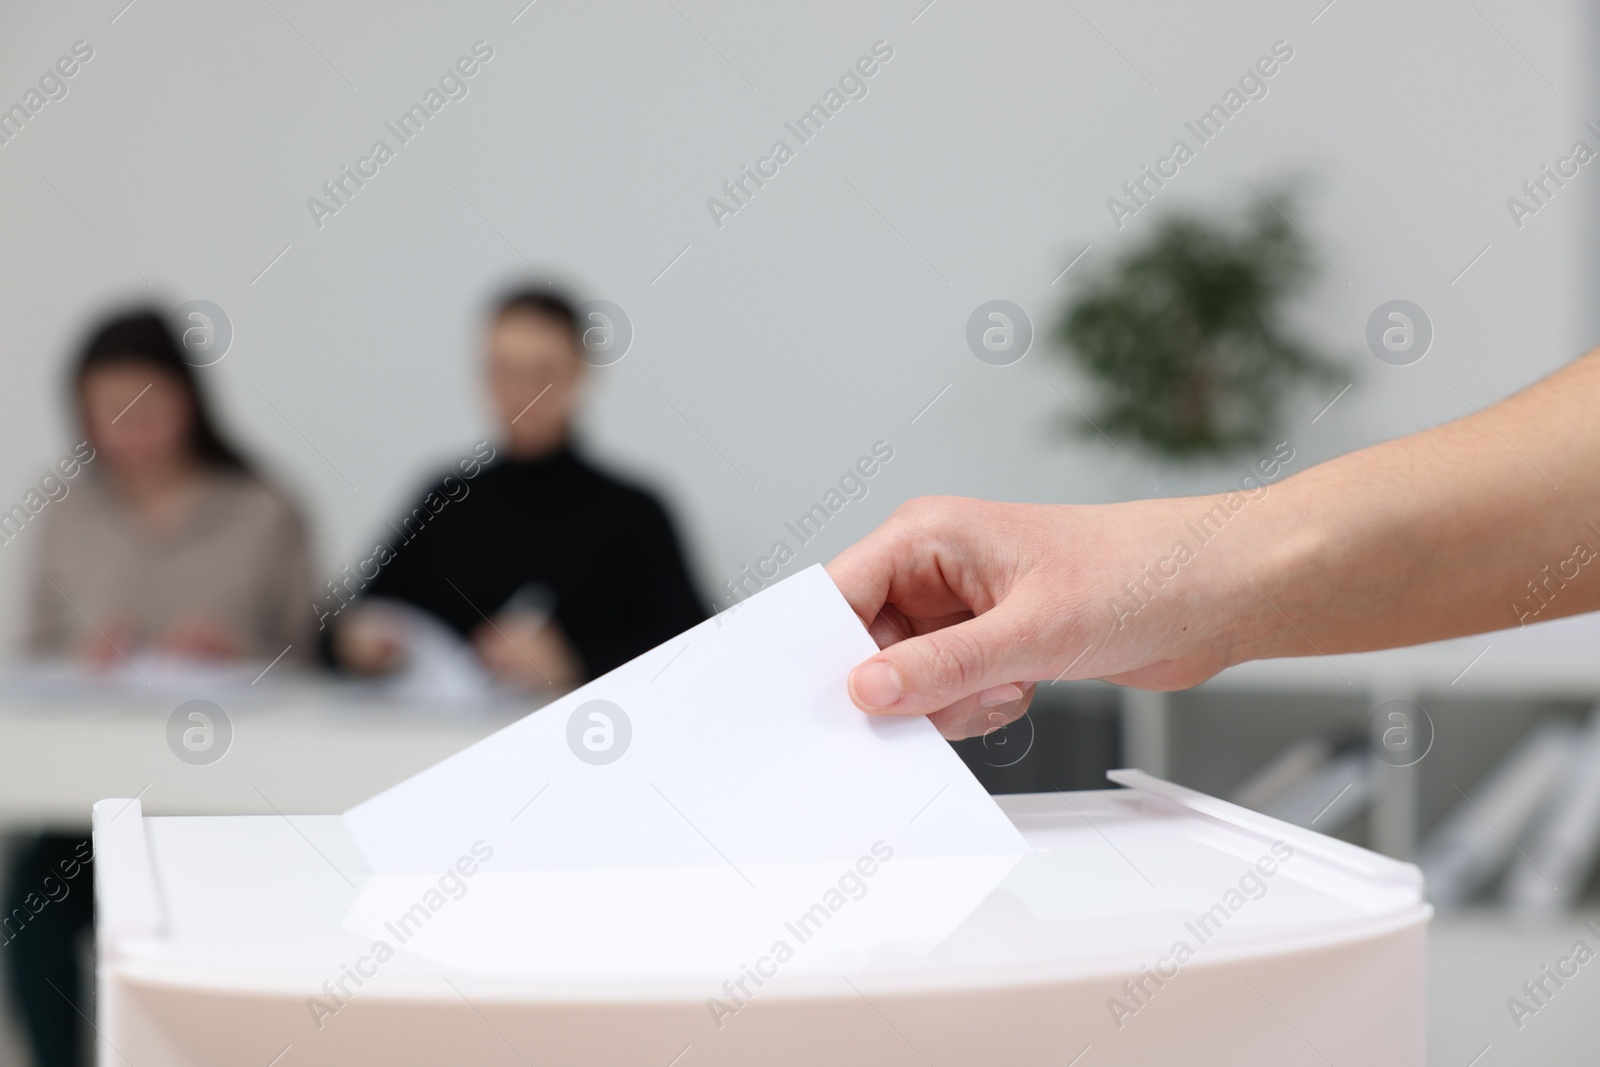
<point>239,561</point>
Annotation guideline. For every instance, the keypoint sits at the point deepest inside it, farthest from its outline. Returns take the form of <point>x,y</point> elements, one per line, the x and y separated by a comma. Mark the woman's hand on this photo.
<point>369,642</point>
<point>200,639</point>
<point>108,646</point>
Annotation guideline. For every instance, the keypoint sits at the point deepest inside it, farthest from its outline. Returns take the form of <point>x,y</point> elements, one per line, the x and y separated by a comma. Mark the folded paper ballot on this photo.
<point>734,743</point>
<point>698,799</point>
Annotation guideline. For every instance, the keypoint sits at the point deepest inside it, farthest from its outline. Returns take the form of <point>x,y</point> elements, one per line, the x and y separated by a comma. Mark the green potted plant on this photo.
<point>1185,336</point>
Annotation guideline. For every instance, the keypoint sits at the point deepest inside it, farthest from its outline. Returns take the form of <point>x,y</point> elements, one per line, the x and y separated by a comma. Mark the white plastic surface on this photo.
<point>256,912</point>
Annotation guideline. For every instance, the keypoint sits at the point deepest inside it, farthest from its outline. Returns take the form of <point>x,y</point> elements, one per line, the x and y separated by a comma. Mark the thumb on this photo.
<point>920,675</point>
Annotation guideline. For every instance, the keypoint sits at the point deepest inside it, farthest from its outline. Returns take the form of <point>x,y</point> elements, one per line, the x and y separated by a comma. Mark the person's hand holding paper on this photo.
<point>972,601</point>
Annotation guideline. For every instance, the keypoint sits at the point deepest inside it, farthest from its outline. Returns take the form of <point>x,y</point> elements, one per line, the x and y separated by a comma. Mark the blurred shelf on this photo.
<point>1479,698</point>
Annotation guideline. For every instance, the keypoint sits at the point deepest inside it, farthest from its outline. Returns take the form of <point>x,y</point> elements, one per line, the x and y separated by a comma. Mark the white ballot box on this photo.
<point>1143,925</point>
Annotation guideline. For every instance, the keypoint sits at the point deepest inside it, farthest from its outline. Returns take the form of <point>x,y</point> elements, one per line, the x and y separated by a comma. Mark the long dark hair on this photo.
<point>142,335</point>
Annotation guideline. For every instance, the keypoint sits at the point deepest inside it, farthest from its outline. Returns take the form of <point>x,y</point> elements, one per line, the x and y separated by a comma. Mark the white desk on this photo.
<point>298,746</point>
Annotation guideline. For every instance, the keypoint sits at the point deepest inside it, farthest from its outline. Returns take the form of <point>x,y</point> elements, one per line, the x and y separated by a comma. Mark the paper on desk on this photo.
<point>439,664</point>
<point>746,802</point>
<point>733,744</point>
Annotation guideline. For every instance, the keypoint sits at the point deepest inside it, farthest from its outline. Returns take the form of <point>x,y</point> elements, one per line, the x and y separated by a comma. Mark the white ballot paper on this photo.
<point>715,805</point>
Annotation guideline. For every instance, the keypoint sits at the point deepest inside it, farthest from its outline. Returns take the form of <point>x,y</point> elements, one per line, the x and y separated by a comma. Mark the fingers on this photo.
<point>933,671</point>
<point>901,560</point>
<point>973,717</point>
<point>932,591</point>
<point>863,572</point>
<point>890,626</point>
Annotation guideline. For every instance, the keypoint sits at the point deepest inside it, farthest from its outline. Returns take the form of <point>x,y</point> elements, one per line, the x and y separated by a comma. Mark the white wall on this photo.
<point>806,327</point>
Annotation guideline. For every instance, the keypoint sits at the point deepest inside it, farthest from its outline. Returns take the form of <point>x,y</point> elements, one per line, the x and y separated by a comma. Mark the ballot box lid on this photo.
<point>1116,880</point>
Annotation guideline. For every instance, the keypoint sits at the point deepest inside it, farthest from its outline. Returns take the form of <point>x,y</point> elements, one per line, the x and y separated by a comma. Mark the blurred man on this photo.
<point>555,571</point>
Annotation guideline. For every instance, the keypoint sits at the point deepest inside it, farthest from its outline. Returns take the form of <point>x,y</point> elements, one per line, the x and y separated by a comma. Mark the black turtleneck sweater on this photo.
<point>602,553</point>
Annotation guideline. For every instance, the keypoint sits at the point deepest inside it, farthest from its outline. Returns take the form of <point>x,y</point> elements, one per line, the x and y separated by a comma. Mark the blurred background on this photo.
<point>947,264</point>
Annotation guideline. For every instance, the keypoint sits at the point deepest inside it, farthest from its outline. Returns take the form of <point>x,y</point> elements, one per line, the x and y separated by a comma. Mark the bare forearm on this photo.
<point>1489,521</point>
<point>1484,523</point>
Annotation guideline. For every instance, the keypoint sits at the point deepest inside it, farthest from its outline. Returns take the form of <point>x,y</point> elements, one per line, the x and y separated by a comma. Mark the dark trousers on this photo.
<point>49,904</point>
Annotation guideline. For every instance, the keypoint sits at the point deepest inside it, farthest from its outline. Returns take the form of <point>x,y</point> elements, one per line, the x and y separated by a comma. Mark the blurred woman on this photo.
<point>166,543</point>
<point>171,543</point>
